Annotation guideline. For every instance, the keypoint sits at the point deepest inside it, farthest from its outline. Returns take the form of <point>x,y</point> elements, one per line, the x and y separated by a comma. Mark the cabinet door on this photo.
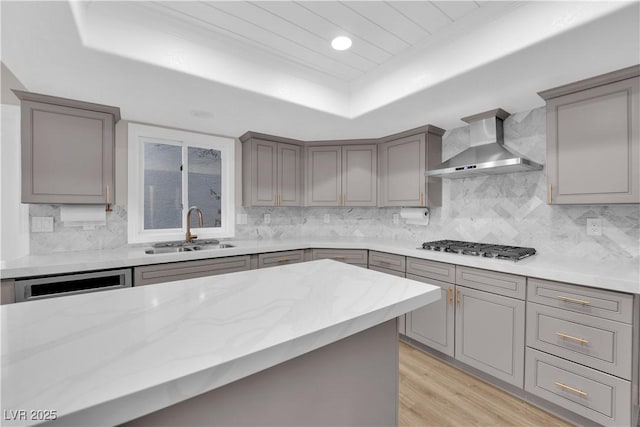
<point>433,325</point>
<point>490,334</point>
<point>402,172</point>
<point>289,175</point>
<point>264,163</point>
<point>359,175</point>
<point>159,273</point>
<point>67,154</point>
<point>324,182</point>
<point>593,145</point>
<point>402,318</point>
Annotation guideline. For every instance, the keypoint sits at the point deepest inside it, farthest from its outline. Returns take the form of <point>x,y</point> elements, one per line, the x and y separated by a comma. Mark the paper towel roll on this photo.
<point>416,216</point>
<point>86,216</point>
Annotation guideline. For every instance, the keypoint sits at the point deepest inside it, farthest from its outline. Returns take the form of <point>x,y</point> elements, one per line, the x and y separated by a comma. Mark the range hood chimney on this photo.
<point>487,154</point>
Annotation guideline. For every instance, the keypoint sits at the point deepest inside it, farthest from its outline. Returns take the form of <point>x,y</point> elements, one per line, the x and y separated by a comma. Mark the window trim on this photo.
<point>137,133</point>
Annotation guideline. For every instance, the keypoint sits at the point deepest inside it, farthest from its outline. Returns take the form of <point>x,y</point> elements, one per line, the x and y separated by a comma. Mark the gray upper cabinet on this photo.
<point>271,172</point>
<point>67,150</point>
<point>342,175</point>
<point>403,162</point>
<point>593,140</point>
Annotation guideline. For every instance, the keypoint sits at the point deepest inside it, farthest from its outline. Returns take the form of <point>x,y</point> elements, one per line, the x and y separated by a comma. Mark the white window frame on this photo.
<point>137,135</point>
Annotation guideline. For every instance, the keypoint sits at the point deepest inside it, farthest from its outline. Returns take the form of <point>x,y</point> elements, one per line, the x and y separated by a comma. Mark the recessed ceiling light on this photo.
<point>341,43</point>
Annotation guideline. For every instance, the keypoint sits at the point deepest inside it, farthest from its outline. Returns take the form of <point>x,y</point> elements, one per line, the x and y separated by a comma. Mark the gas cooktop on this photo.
<point>513,253</point>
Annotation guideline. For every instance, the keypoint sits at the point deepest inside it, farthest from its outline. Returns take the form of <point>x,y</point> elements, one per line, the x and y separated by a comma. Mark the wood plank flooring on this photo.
<point>433,393</point>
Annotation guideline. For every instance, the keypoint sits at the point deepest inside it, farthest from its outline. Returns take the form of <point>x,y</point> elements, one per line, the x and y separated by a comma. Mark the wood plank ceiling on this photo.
<point>302,31</point>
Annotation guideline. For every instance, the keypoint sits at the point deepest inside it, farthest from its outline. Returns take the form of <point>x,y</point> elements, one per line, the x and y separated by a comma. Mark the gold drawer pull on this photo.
<point>458,297</point>
<point>575,390</point>
<point>449,294</point>
<point>382,261</point>
<point>284,259</point>
<point>339,257</point>
<point>580,340</point>
<point>573,300</point>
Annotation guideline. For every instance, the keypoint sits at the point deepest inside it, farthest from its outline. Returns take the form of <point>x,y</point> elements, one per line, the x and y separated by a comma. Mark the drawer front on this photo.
<point>385,260</point>
<point>273,259</point>
<point>387,271</point>
<point>598,343</point>
<point>431,269</point>
<point>350,256</point>
<point>595,302</point>
<point>505,284</point>
<point>150,274</point>
<point>597,396</point>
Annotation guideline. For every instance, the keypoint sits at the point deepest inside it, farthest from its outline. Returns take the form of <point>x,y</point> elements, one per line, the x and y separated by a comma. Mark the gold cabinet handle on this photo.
<point>108,208</point>
<point>284,259</point>
<point>449,295</point>
<point>573,300</point>
<point>458,297</point>
<point>421,198</point>
<point>339,257</point>
<point>550,194</point>
<point>575,390</point>
<point>569,337</point>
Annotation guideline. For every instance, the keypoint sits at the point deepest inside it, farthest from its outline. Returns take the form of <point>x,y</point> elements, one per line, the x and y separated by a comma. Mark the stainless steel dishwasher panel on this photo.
<point>71,284</point>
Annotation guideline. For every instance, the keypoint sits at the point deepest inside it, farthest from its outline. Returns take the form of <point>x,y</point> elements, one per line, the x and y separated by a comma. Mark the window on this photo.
<point>172,170</point>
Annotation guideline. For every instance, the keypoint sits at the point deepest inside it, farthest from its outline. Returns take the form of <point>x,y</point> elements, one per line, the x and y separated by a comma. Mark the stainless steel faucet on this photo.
<point>191,237</point>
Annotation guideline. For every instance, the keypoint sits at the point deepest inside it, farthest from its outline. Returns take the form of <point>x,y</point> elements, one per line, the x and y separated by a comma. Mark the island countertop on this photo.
<point>108,357</point>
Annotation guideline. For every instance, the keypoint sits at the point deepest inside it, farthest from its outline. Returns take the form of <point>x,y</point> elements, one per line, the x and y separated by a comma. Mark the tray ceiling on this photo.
<point>231,66</point>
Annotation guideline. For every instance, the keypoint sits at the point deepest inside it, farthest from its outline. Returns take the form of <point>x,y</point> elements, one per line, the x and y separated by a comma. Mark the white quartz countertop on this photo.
<point>623,277</point>
<point>108,357</point>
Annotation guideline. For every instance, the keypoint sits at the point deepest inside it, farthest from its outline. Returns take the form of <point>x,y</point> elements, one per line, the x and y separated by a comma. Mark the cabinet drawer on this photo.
<point>273,259</point>
<point>597,343</point>
<point>505,284</point>
<point>387,271</point>
<point>597,396</point>
<point>149,274</point>
<point>595,302</point>
<point>431,269</point>
<point>350,256</point>
<point>385,260</point>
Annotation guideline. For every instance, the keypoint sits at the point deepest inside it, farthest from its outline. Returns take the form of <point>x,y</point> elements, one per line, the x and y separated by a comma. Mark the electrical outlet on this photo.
<point>396,219</point>
<point>42,224</point>
<point>327,218</point>
<point>267,218</point>
<point>594,226</point>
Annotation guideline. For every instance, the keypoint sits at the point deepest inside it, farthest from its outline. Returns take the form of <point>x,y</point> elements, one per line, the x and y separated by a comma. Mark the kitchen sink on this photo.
<point>181,246</point>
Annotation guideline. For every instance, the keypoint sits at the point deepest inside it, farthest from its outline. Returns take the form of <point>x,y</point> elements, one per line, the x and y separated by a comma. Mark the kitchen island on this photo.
<point>310,343</point>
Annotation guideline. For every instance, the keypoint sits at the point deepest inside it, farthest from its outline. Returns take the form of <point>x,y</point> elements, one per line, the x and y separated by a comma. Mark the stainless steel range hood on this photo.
<point>487,154</point>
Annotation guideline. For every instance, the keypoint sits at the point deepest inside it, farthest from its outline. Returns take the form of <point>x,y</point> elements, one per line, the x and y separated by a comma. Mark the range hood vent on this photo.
<point>487,154</point>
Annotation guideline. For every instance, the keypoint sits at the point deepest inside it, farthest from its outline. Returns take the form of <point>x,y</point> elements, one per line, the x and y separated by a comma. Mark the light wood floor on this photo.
<point>433,393</point>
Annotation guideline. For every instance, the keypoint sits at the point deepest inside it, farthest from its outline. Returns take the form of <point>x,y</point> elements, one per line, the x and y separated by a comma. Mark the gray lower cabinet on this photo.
<point>593,140</point>
<point>582,350</point>
<point>273,259</point>
<point>433,325</point>
<point>600,397</point>
<point>158,273</point>
<point>387,261</point>
<point>68,150</point>
<point>7,291</point>
<point>350,256</point>
<point>271,172</point>
<point>489,333</point>
<point>401,319</point>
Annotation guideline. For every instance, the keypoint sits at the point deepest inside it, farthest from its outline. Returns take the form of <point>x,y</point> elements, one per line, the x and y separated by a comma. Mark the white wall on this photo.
<point>14,216</point>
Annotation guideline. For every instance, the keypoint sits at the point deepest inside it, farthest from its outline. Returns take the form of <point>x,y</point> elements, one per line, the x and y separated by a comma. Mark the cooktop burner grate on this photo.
<point>488,250</point>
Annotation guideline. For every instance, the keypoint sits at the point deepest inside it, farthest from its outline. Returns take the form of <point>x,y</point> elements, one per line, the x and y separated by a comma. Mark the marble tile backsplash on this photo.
<point>506,209</point>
